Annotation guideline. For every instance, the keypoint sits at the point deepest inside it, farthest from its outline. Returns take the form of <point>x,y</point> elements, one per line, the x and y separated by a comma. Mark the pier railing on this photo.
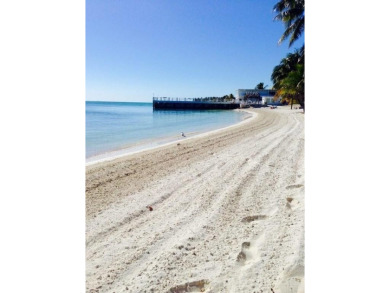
<point>195,100</point>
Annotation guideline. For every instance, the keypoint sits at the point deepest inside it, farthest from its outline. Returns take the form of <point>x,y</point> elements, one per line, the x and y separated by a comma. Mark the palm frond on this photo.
<point>292,14</point>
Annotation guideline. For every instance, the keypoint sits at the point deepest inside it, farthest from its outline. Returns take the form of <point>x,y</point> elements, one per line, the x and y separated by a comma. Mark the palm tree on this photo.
<point>292,87</point>
<point>287,65</point>
<point>261,86</point>
<point>292,13</point>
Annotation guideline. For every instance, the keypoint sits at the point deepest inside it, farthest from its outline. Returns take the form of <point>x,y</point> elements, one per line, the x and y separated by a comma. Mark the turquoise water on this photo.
<point>112,126</point>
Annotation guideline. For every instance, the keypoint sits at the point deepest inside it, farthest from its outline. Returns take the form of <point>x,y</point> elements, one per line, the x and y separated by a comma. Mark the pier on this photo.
<point>194,104</point>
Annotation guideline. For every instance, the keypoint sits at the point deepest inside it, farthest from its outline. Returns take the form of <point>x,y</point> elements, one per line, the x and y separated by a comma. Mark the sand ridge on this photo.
<point>227,213</point>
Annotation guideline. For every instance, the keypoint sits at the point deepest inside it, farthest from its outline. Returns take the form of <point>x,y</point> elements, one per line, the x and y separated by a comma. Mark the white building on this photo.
<point>253,96</point>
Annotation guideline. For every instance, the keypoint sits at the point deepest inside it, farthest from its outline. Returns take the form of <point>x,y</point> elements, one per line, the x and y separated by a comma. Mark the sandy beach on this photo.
<point>220,212</point>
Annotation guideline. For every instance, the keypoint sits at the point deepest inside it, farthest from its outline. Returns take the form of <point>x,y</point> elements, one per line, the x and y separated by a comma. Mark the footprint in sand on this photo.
<point>253,218</point>
<point>196,286</point>
<point>267,213</point>
<point>288,204</point>
<point>294,186</point>
<point>242,256</point>
<point>291,203</point>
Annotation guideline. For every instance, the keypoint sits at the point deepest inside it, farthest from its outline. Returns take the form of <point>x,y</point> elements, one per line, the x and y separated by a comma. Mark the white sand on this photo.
<point>228,213</point>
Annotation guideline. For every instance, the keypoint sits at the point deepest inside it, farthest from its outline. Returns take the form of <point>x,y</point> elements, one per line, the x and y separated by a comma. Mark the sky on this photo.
<point>139,49</point>
<point>42,78</point>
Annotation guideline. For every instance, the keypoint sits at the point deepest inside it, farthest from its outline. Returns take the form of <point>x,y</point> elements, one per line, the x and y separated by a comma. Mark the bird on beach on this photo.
<point>183,135</point>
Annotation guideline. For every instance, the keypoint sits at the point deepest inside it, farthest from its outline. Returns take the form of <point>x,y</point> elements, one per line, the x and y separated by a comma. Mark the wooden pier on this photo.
<point>194,104</point>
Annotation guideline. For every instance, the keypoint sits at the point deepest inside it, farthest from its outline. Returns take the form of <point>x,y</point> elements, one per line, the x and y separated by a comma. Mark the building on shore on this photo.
<point>252,97</point>
<point>245,98</point>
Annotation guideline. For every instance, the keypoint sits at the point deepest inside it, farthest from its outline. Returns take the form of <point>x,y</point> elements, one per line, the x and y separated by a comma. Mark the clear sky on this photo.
<point>137,49</point>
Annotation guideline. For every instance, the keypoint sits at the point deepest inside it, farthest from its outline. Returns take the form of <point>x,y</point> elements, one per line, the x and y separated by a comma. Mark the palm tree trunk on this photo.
<point>301,101</point>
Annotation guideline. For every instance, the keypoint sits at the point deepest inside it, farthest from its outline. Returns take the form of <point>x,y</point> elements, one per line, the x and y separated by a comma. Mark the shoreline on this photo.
<point>155,144</point>
<point>220,212</point>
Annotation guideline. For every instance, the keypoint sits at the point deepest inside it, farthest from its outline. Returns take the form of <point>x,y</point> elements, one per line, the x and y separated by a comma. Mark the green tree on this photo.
<point>292,87</point>
<point>292,14</point>
<point>260,86</point>
<point>287,65</point>
<point>288,77</point>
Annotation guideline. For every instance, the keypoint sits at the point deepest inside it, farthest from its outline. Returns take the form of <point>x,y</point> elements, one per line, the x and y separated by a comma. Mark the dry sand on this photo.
<point>227,212</point>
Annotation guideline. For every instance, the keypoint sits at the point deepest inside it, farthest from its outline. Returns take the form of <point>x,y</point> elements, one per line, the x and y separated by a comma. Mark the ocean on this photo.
<point>114,126</point>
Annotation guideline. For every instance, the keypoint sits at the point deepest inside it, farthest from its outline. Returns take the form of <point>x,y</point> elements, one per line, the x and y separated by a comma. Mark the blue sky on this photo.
<point>137,49</point>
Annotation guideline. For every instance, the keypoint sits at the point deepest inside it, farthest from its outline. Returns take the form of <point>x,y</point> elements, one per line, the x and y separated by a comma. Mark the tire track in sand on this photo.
<point>207,221</point>
<point>105,181</point>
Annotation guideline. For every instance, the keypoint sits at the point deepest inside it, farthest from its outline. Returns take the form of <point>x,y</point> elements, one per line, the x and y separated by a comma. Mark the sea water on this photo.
<point>112,126</point>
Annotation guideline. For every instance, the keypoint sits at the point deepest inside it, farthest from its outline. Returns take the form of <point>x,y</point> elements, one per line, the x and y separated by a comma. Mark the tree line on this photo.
<point>226,98</point>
